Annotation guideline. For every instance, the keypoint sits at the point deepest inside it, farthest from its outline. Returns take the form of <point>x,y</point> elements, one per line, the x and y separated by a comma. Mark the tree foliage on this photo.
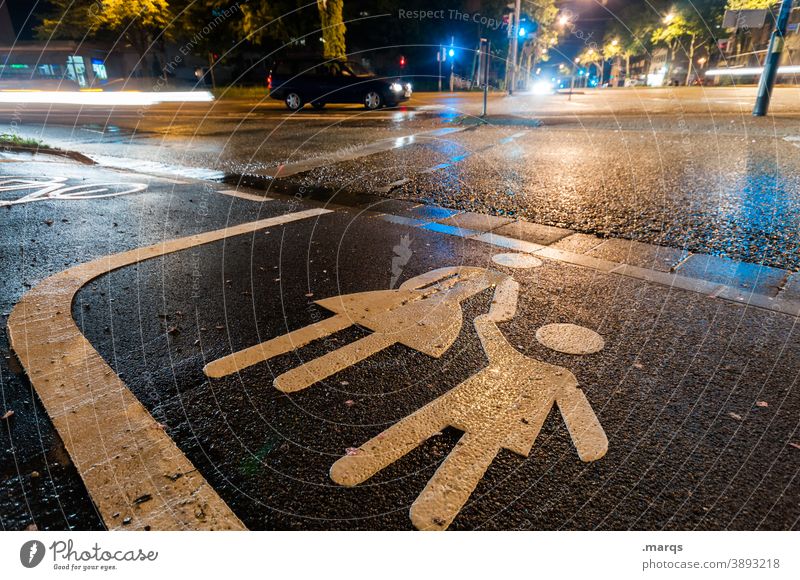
<point>139,22</point>
<point>750,4</point>
<point>280,20</point>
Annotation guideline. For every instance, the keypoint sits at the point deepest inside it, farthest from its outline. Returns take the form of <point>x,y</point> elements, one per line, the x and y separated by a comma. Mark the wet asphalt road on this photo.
<point>697,396</point>
<point>686,168</point>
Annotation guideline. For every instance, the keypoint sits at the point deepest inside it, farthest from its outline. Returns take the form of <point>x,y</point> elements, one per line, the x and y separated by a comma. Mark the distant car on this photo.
<point>319,82</point>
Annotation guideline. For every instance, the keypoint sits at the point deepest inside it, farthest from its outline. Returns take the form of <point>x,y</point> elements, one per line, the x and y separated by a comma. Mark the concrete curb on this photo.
<point>74,155</point>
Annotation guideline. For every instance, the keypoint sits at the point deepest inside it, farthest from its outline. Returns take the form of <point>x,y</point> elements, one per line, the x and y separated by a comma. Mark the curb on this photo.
<point>499,121</point>
<point>74,155</point>
<point>765,287</point>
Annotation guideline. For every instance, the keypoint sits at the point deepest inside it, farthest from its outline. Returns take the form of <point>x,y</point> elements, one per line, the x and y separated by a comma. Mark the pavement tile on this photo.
<point>534,233</point>
<point>578,243</point>
<point>395,207</point>
<point>405,221</point>
<point>480,222</point>
<point>450,230</point>
<point>754,277</point>
<point>432,212</point>
<point>505,242</point>
<point>639,254</point>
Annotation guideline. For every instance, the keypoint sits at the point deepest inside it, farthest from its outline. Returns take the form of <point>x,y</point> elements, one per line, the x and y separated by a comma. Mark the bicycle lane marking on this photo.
<point>57,189</point>
<point>136,475</point>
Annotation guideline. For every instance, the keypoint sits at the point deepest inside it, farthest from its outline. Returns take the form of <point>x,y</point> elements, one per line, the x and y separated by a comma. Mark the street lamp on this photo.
<point>669,18</point>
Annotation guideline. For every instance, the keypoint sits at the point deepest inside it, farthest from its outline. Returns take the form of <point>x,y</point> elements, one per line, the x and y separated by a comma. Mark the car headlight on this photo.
<point>542,88</point>
<point>396,87</point>
<point>408,86</point>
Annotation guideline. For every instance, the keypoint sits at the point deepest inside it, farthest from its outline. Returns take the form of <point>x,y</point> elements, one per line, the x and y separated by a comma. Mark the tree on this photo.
<point>632,29</point>
<point>281,20</point>
<point>691,24</point>
<point>750,4</point>
<point>591,56</point>
<point>139,22</point>
<point>333,28</point>
<point>69,19</point>
<point>288,20</point>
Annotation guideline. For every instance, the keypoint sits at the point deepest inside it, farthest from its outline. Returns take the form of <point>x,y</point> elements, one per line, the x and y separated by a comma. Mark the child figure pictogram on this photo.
<point>424,313</point>
<point>502,406</point>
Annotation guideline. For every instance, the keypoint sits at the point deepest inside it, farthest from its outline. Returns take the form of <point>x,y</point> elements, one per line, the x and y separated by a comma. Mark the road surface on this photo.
<point>692,379</point>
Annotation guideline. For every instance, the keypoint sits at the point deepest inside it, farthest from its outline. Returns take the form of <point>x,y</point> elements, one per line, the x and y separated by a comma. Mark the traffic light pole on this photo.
<point>776,43</point>
<point>513,48</point>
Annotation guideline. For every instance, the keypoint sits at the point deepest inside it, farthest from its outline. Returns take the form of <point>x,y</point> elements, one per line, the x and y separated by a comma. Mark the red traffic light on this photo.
<point>402,61</point>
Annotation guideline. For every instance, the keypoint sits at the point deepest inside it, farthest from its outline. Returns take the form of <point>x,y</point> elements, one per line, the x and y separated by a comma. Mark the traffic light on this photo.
<point>402,61</point>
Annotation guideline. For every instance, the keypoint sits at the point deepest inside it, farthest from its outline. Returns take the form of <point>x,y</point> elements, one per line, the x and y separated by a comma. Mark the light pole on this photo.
<point>452,54</point>
<point>776,42</point>
<point>439,58</point>
<point>513,48</point>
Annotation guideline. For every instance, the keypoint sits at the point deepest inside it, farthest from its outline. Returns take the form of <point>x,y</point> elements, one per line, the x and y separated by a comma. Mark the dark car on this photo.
<point>300,81</point>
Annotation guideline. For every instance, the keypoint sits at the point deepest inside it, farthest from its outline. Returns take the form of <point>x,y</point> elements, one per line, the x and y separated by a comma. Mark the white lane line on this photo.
<point>130,466</point>
<point>245,195</point>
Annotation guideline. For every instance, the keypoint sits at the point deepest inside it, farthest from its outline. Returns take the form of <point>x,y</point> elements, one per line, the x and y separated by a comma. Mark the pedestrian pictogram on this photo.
<point>424,313</point>
<point>502,406</point>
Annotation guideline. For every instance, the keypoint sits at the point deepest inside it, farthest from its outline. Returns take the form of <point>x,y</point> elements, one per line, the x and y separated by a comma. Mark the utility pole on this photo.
<point>513,48</point>
<point>772,60</point>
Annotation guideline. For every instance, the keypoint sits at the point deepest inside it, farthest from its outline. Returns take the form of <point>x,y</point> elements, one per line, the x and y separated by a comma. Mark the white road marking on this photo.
<point>245,195</point>
<point>424,313</point>
<point>570,338</point>
<point>513,260</point>
<point>793,139</point>
<point>129,464</point>
<point>57,188</point>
